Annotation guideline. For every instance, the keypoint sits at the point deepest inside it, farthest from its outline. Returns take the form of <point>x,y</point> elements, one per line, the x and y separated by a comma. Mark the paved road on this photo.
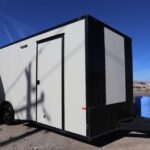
<point>27,137</point>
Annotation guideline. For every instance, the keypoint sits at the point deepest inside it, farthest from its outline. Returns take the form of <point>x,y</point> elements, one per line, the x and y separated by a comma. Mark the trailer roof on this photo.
<point>63,24</point>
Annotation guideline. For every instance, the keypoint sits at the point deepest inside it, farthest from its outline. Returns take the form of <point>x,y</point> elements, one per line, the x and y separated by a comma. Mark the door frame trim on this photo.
<point>62,72</point>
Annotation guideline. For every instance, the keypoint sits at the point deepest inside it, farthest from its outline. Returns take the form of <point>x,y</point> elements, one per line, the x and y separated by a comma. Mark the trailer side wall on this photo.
<point>18,74</point>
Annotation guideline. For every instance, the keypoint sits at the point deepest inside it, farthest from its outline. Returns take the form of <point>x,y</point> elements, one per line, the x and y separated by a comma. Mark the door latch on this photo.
<point>38,82</point>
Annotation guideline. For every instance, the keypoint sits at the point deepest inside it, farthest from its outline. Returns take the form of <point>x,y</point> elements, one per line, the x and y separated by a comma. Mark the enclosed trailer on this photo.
<point>75,78</point>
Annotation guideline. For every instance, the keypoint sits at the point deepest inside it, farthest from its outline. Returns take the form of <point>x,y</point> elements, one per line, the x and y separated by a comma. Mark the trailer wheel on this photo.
<point>1,114</point>
<point>7,113</point>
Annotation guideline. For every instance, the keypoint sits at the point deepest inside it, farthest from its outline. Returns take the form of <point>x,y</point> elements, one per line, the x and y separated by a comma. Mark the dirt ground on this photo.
<point>24,136</point>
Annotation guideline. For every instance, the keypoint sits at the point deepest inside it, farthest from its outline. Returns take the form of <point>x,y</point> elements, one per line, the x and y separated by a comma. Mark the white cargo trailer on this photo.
<point>75,78</point>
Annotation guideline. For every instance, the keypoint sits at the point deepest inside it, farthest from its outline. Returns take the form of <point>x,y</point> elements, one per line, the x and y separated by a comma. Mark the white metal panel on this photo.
<point>49,112</point>
<point>75,91</point>
<point>18,78</point>
<point>115,67</point>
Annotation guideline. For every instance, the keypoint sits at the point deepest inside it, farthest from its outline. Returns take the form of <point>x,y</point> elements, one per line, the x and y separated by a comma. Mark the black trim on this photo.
<point>36,78</point>
<point>95,65</point>
<point>86,62</point>
<point>95,73</point>
<point>63,84</point>
<point>47,30</point>
<point>50,38</point>
<point>129,76</point>
<point>61,25</point>
<point>59,131</point>
<point>62,66</point>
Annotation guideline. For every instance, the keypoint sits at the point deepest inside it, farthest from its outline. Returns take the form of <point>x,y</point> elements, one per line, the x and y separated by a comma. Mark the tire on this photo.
<point>7,113</point>
<point>1,115</point>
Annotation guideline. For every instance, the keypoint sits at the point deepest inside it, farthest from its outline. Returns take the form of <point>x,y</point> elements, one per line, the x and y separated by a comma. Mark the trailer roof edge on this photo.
<point>63,24</point>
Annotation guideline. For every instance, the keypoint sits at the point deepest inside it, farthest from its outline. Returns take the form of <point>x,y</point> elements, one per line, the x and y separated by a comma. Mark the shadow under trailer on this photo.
<point>75,78</point>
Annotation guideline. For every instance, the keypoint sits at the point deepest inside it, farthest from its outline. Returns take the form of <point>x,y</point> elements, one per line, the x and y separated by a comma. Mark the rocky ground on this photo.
<point>141,93</point>
<point>25,136</point>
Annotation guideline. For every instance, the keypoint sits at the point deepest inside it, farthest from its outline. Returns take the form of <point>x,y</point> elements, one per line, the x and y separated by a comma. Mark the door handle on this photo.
<point>38,82</point>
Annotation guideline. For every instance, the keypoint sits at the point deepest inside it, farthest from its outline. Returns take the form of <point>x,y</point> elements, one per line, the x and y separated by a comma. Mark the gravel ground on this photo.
<point>24,136</point>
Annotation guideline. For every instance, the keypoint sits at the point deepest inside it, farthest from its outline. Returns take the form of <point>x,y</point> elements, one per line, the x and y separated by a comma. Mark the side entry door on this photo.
<point>50,81</point>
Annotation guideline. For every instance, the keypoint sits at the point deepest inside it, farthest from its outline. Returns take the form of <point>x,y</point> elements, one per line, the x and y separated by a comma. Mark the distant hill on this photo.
<point>141,82</point>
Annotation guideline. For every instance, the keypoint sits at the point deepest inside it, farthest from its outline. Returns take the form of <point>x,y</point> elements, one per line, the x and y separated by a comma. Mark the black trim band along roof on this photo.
<point>63,24</point>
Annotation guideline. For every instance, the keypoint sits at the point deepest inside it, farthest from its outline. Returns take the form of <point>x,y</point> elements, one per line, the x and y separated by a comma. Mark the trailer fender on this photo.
<point>6,112</point>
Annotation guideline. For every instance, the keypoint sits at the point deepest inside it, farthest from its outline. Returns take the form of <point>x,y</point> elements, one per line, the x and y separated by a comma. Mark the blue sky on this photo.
<point>21,18</point>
